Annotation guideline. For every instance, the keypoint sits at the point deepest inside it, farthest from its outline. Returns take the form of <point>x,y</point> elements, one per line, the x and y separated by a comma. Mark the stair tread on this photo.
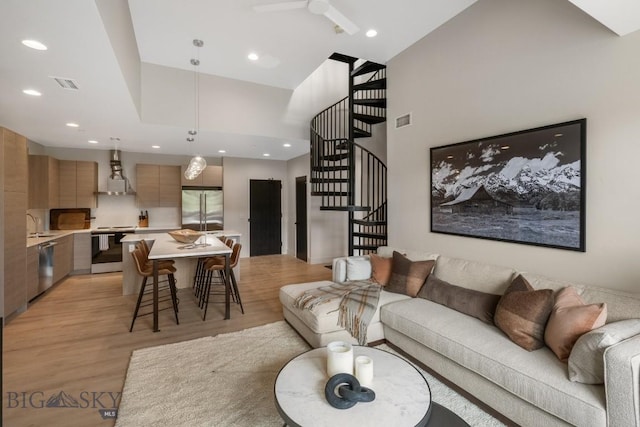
<point>331,193</point>
<point>372,84</point>
<point>335,157</point>
<point>372,102</point>
<point>365,222</point>
<point>329,180</point>
<point>360,133</point>
<point>330,168</point>
<point>345,208</point>
<point>368,118</point>
<point>367,67</point>
<point>370,235</point>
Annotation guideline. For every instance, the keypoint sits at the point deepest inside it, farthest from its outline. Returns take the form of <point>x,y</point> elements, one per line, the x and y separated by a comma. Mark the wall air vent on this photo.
<point>66,83</point>
<point>403,121</point>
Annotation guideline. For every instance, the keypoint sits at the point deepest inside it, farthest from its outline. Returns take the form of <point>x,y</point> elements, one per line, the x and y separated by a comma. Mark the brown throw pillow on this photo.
<point>407,277</point>
<point>522,313</point>
<point>569,319</point>
<point>468,301</point>
<point>380,269</point>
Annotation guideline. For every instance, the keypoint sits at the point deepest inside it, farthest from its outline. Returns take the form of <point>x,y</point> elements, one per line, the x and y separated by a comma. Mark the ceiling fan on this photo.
<point>318,7</point>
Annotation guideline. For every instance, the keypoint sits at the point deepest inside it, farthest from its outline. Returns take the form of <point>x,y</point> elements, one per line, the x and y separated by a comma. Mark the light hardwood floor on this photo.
<point>76,337</point>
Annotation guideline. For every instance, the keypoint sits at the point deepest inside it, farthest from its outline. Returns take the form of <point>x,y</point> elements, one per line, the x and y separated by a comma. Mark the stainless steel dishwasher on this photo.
<point>45,266</point>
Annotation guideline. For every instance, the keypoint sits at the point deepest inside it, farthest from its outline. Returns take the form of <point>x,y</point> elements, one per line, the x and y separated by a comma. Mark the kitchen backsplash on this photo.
<point>114,211</point>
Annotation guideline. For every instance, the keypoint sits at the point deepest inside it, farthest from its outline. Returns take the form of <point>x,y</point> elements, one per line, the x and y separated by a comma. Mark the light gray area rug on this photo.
<point>228,380</point>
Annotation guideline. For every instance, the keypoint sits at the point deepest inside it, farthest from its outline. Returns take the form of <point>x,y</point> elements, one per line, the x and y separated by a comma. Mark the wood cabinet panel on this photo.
<point>15,251</point>
<point>15,161</point>
<point>158,186</point>
<point>77,184</point>
<point>32,272</point>
<point>43,182</point>
<point>86,184</point>
<point>62,258</point>
<point>13,220</point>
<point>170,186</point>
<point>211,176</point>
<point>82,252</point>
<point>148,189</point>
<point>67,184</point>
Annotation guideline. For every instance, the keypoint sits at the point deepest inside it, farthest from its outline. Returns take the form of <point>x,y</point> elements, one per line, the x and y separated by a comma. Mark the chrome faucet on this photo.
<point>35,223</point>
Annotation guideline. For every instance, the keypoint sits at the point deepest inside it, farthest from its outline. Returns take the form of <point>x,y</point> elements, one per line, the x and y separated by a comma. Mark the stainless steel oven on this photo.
<point>106,248</point>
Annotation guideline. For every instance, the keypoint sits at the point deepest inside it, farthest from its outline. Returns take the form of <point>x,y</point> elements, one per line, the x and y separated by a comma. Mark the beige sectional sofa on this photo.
<point>530,388</point>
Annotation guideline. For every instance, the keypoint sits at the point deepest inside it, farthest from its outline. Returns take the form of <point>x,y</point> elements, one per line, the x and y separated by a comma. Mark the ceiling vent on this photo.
<point>66,83</point>
<point>403,121</point>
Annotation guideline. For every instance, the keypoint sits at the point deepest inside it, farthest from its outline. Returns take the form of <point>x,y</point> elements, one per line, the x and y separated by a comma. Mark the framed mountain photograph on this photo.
<point>523,187</point>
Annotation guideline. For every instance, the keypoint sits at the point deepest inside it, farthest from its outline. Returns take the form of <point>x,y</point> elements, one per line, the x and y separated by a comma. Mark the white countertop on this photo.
<point>132,238</point>
<point>165,246</point>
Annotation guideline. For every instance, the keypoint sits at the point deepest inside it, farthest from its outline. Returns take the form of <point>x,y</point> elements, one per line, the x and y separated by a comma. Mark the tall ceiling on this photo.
<point>109,47</point>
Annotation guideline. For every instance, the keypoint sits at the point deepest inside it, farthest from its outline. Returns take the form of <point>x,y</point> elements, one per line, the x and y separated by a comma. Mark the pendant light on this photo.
<point>197,163</point>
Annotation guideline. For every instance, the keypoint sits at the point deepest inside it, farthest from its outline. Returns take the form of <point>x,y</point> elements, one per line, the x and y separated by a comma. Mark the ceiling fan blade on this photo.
<point>339,19</point>
<point>276,7</point>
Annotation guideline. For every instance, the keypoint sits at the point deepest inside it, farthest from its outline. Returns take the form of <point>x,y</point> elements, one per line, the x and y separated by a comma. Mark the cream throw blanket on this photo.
<point>357,307</point>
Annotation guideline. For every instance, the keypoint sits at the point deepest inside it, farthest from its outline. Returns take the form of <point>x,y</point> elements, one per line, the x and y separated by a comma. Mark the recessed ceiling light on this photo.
<point>222,151</point>
<point>31,92</point>
<point>372,33</point>
<point>286,145</point>
<point>253,56</point>
<point>72,125</point>
<point>93,141</point>
<point>266,154</point>
<point>155,146</point>
<point>34,44</point>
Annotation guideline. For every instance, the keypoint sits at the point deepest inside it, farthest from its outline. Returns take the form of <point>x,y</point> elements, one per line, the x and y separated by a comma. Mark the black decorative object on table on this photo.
<point>348,393</point>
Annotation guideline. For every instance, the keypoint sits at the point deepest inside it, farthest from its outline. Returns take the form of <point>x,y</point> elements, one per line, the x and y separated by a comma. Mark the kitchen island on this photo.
<point>186,267</point>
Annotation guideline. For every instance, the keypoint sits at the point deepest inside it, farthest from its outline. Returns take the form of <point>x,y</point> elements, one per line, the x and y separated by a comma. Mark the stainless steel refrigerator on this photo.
<point>202,209</point>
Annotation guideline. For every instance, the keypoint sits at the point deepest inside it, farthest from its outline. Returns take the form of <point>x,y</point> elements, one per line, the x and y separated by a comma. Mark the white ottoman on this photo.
<point>319,326</point>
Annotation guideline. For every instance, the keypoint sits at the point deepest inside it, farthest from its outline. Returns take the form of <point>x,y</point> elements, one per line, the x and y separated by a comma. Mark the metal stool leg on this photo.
<point>135,313</point>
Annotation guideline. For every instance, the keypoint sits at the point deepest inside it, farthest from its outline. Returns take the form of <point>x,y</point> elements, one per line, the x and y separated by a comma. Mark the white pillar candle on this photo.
<point>364,370</point>
<point>339,358</point>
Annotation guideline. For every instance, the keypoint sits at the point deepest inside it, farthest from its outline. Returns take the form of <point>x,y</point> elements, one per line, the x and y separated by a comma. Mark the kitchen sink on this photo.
<point>35,236</point>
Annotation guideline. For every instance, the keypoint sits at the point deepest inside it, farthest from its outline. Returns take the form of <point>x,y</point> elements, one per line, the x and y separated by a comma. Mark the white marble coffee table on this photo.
<point>403,397</point>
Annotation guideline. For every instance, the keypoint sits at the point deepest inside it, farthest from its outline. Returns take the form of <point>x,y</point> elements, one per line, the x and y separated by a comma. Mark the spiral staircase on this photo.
<point>346,175</point>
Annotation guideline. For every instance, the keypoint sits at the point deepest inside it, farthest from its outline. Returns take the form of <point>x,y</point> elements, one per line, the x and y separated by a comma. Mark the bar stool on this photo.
<point>145,269</point>
<point>217,265</point>
<point>201,276</point>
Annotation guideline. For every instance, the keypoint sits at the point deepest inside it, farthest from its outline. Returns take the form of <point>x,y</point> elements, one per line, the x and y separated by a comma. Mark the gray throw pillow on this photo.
<point>586,361</point>
<point>468,301</point>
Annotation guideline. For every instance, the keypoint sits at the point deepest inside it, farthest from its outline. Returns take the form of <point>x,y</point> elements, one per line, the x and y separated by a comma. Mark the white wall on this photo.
<point>504,66</point>
<point>236,176</point>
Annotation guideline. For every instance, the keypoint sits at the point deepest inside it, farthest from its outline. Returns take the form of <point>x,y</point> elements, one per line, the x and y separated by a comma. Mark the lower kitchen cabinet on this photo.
<point>62,258</point>
<point>33,262</point>
<point>82,253</point>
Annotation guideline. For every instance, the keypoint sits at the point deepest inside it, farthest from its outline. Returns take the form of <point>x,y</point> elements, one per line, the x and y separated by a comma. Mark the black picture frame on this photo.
<point>524,187</point>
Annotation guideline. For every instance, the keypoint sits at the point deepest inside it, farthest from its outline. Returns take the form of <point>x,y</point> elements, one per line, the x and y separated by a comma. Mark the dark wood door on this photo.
<point>301,218</point>
<point>265,217</point>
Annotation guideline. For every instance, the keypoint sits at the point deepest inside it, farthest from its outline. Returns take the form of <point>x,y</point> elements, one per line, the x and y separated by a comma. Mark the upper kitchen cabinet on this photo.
<point>43,182</point>
<point>77,184</point>
<point>211,176</point>
<point>158,186</point>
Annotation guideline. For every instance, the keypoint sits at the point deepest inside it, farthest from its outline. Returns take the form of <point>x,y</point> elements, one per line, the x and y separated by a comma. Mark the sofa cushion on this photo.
<point>380,269</point>
<point>569,319</point>
<point>407,277</point>
<point>522,313</point>
<point>477,304</point>
<point>413,255</point>
<point>536,377</point>
<point>323,318</point>
<point>474,275</point>
<point>586,361</point>
<point>358,268</point>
